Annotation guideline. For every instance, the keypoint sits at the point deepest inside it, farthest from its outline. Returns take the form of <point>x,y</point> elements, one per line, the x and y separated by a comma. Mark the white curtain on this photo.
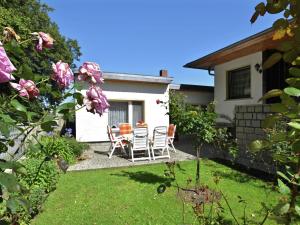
<point>138,113</point>
<point>118,113</point>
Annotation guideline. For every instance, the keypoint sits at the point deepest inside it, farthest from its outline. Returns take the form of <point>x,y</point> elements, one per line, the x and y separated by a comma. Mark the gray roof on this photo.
<point>136,78</point>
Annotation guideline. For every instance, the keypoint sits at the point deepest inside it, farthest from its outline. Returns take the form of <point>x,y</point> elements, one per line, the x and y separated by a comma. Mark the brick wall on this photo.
<point>248,123</point>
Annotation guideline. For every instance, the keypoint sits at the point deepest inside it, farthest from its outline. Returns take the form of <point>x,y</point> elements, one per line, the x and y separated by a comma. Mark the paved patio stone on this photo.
<point>97,157</point>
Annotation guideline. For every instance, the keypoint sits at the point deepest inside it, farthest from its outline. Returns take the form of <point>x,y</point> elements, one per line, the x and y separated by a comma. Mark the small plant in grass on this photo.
<point>206,202</point>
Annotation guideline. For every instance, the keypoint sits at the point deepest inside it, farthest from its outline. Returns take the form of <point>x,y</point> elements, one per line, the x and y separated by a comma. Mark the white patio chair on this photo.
<point>140,144</point>
<point>160,142</point>
<point>171,135</point>
<point>115,142</point>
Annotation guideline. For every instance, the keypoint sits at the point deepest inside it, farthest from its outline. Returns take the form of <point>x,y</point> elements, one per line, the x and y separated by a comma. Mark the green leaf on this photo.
<point>6,118</point>
<point>294,82</point>
<point>30,115</point>
<point>282,208</point>
<point>10,182</point>
<point>261,8</point>
<point>296,62</point>
<point>296,146</point>
<point>283,189</point>
<point>281,23</point>
<point>10,165</point>
<point>290,56</point>
<point>49,125</point>
<point>294,71</point>
<point>254,17</point>
<point>283,176</point>
<point>78,86</point>
<point>272,60</point>
<point>275,7</point>
<point>285,46</point>
<point>292,91</point>
<point>288,100</point>
<point>65,106</point>
<point>294,125</point>
<point>4,129</point>
<point>25,72</point>
<point>14,204</point>
<point>3,147</point>
<point>271,94</point>
<point>79,97</point>
<point>297,209</point>
<point>18,106</point>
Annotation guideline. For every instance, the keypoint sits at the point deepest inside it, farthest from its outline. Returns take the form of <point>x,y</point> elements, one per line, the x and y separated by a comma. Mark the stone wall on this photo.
<point>248,124</point>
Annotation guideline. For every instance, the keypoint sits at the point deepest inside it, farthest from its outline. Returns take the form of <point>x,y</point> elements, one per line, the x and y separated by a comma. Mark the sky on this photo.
<point>144,36</point>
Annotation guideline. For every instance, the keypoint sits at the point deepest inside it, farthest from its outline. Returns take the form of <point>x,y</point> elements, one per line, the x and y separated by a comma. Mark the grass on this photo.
<point>129,196</point>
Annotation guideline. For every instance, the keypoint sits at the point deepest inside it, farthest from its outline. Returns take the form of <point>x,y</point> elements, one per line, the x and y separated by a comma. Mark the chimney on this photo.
<point>163,73</point>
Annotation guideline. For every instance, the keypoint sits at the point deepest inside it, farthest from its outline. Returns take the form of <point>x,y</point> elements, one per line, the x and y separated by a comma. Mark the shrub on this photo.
<point>52,146</point>
<point>39,175</point>
<point>76,147</point>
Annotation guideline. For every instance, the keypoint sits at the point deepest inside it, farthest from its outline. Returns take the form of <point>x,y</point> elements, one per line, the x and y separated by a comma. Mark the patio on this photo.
<point>97,157</point>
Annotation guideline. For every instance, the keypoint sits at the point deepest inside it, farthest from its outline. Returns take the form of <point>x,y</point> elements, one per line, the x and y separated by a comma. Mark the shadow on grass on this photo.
<point>235,176</point>
<point>143,177</point>
<point>244,178</point>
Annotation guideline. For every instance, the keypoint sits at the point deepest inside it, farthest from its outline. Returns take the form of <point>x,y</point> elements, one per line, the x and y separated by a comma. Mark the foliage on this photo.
<point>199,123</point>
<point>39,174</point>
<point>33,99</point>
<point>287,30</point>
<point>177,107</point>
<point>40,178</point>
<point>58,147</point>
<point>30,16</point>
<point>53,146</point>
<point>76,147</point>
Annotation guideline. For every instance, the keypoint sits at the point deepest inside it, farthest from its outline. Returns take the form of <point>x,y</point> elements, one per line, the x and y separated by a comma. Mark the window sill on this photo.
<point>238,99</point>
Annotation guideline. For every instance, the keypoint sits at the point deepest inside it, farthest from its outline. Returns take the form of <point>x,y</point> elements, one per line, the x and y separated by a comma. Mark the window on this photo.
<point>238,83</point>
<point>118,113</point>
<point>125,112</point>
<point>137,112</point>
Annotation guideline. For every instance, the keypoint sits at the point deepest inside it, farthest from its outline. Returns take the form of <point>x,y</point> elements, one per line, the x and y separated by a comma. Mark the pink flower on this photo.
<point>95,101</point>
<point>44,41</point>
<point>6,67</point>
<point>90,71</point>
<point>26,88</point>
<point>158,101</point>
<point>63,75</point>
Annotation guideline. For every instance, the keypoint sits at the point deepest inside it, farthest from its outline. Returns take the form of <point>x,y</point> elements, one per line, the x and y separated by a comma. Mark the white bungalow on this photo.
<point>132,97</point>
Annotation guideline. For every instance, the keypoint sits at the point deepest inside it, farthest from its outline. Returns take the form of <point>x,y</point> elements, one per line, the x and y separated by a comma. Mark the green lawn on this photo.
<point>128,195</point>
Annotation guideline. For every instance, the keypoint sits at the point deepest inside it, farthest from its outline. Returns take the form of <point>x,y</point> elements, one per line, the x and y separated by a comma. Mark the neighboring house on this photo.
<point>238,76</point>
<point>132,97</point>
<point>196,95</point>
<point>240,82</point>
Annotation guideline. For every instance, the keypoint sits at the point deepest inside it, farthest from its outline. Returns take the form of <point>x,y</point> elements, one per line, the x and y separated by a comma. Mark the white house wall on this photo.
<point>93,128</point>
<point>226,106</point>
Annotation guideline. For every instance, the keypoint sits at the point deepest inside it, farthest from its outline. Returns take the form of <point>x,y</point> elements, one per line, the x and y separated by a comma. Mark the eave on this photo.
<point>255,43</point>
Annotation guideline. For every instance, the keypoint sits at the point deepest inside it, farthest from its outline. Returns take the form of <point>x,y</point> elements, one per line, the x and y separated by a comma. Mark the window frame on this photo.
<point>229,85</point>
